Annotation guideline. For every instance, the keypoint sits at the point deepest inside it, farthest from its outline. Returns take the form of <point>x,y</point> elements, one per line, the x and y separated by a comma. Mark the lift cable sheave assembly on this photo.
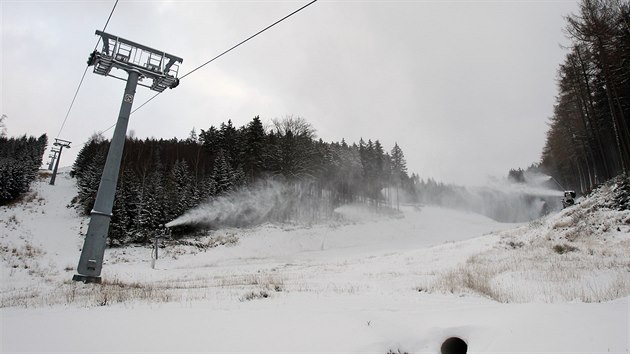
<point>124,54</point>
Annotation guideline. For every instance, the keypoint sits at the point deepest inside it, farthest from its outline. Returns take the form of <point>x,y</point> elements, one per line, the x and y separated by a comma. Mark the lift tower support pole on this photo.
<point>53,155</point>
<point>140,62</point>
<point>91,260</point>
<point>62,144</point>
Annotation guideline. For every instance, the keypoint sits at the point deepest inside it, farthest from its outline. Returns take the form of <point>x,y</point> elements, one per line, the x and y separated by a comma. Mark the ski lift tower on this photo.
<point>53,156</point>
<point>140,62</point>
<point>61,144</point>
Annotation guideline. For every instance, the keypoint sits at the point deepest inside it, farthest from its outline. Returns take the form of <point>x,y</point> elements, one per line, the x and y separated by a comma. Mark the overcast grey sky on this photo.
<point>464,87</point>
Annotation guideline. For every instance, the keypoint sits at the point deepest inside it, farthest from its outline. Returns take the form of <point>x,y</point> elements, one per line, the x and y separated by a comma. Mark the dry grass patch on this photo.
<point>88,295</point>
<point>263,281</point>
<point>593,272</point>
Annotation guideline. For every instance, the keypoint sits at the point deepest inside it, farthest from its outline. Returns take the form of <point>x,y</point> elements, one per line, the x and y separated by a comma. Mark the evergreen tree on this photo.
<point>222,175</point>
<point>398,164</point>
<point>120,227</point>
<point>588,140</point>
<point>399,170</point>
<point>88,168</point>
<point>229,143</point>
<point>192,136</point>
<point>516,175</point>
<point>20,159</point>
<point>182,193</point>
<point>152,213</point>
<point>254,149</point>
<point>3,125</point>
<point>210,140</point>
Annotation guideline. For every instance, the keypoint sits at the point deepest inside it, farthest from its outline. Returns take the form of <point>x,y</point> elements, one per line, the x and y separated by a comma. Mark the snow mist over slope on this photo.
<point>268,200</point>
<point>515,202</point>
<point>243,207</point>
<point>274,200</point>
<point>501,200</point>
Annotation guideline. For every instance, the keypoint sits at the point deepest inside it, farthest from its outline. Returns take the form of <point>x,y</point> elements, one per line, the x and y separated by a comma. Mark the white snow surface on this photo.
<point>369,284</point>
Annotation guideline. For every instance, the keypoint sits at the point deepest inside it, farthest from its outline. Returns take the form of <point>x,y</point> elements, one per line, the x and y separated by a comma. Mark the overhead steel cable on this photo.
<point>250,37</point>
<point>222,54</point>
<point>63,124</point>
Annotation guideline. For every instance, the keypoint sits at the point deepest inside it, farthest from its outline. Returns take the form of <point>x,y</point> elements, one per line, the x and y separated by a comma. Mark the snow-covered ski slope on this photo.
<point>368,284</point>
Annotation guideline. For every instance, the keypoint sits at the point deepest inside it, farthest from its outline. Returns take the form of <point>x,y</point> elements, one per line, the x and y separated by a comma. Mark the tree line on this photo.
<point>588,141</point>
<point>161,179</point>
<point>20,159</point>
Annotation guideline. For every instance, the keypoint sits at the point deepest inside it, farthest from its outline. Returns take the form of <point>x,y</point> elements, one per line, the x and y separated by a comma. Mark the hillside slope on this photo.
<point>581,253</point>
<point>368,283</point>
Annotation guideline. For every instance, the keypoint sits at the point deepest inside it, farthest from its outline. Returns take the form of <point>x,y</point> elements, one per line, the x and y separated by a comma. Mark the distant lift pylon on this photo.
<point>53,156</point>
<point>60,144</point>
<point>140,62</point>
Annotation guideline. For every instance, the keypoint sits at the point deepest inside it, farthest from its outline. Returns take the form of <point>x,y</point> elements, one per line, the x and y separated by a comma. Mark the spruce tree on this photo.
<point>222,174</point>
<point>399,170</point>
<point>182,188</point>
<point>254,149</point>
<point>229,143</point>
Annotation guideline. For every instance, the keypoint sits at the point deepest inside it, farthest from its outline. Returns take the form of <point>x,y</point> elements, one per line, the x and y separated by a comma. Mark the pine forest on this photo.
<point>161,179</point>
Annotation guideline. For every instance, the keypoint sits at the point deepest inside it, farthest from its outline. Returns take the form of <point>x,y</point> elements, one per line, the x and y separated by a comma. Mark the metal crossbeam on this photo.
<point>61,142</point>
<point>121,53</point>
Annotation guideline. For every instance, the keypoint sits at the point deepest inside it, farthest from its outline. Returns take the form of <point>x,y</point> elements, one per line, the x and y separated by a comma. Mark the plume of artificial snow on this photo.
<point>268,200</point>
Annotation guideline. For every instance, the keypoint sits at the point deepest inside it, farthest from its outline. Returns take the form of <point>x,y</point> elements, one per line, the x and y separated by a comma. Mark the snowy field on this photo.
<point>366,283</point>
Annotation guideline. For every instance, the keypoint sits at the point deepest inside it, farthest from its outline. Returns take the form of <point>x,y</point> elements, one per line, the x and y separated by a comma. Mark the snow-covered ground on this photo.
<point>368,284</point>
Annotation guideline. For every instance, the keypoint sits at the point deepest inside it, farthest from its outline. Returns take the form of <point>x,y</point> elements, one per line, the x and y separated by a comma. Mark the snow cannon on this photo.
<point>164,232</point>
<point>569,199</point>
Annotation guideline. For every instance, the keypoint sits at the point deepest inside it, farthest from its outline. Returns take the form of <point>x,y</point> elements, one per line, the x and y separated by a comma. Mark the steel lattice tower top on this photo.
<point>124,54</point>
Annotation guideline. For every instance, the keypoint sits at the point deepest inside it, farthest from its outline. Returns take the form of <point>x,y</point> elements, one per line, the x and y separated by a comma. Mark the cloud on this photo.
<point>464,87</point>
